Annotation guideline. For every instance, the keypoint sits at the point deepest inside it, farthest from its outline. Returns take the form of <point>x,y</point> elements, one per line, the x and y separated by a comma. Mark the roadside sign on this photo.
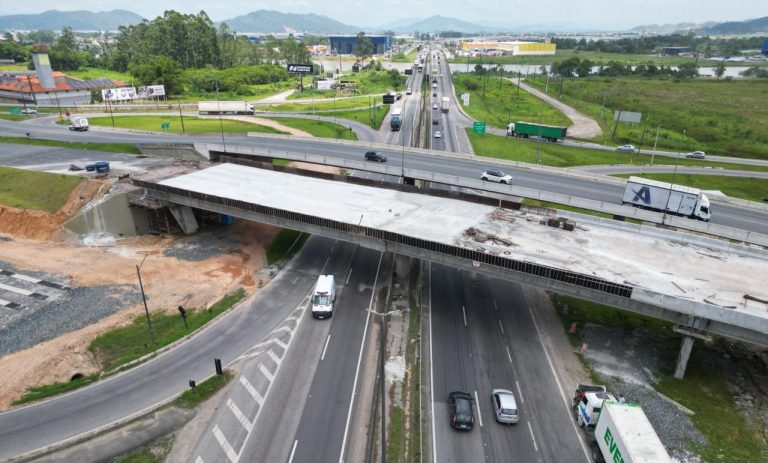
<point>300,69</point>
<point>478,127</point>
<point>165,125</point>
<point>15,111</point>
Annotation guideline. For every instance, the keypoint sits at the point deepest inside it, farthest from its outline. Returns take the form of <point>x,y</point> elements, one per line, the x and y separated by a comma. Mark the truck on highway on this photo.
<point>616,431</point>
<point>445,104</point>
<point>224,107</point>
<point>324,296</point>
<point>551,133</point>
<point>667,197</point>
<point>78,123</point>
<point>396,119</point>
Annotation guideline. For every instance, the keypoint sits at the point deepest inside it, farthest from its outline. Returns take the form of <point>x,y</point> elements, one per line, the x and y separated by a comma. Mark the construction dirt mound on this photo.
<point>41,225</point>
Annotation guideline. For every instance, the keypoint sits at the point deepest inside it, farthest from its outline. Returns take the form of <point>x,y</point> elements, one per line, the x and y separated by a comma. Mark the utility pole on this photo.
<point>144,298</point>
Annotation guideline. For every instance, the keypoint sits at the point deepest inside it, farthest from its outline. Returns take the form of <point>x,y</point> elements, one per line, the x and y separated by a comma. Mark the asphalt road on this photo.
<point>483,338</point>
<point>129,393</point>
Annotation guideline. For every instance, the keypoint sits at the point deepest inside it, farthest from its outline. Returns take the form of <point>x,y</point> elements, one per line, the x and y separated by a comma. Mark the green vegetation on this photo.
<point>559,155</point>
<point>751,188</point>
<point>191,124</point>
<point>498,102</point>
<point>88,73</point>
<point>13,67</point>
<point>37,393</point>
<point>124,148</point>
<point>321,129</point>
<point>35,190</point>
<point>728,117</point>
<point>403,58</point>
<point>396,435</point>
<point>287,243</point>
<point>127,343</point>
<point>155,452</point>
<point>704,391</point>
<point>578,210</point>
<point>413,384</point>
<point>338,104</point>
<point>372,118</point>
<point>191,398</point>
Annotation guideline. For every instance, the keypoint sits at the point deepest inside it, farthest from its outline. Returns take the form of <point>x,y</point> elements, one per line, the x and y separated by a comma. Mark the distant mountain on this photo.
<point>441,23</point>
<point>671,28</point>
<point>77,20</point>
<point>270,21</point>
<point>751,26</point>
<point>396,24</point>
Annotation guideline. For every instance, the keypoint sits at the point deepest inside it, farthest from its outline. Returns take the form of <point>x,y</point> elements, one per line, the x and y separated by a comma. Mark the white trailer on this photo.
<point>224,107</point>
<point>445,104</point>
<point>624,434</point>
<point>667,197</point>
<point>78,123</point>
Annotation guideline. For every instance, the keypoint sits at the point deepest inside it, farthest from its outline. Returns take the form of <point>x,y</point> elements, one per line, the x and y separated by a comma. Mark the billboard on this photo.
<point>118,94</point>
<point>150,91</point>
<point>325,84</point>
<point>627,116</point>
<point>300,69</point>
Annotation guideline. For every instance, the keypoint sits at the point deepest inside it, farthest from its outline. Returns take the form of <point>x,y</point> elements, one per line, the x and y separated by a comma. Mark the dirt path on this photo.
<point>276,99</point>
<point>270,123</point>
<point>583,126</point>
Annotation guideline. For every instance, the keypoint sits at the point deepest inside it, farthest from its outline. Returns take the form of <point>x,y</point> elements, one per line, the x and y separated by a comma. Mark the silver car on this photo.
<point>497,176</point>
<point>696,155</point>
<point>505,406</point>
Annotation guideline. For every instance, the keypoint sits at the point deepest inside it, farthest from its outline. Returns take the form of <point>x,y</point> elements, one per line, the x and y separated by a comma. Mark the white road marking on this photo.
<point>252,390</point>
<point>327,340</point>
<point>293,451</point>
<point>432,372</point>
<point>495,307</point>
<point>26,278</point>
<point>268,374</point>
<point>501,326</point>
<point>199,459</point>
<point>348,275</point>
<point>16,290</point>
<point>519,392</point>
<point>239,415</point>
<point>479,414</point>
<point>274,357</point>
<point>282,328</point>
<point>465,315</point>
<point>280,343</point>
<point>557,380</point>
<point>535,447</point>
<point>509,354</point>
<point>225,445</point>
<point>359,361</point>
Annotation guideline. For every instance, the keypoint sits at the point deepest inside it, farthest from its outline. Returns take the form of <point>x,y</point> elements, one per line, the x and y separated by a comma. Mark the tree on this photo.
<point>687,71</point>
<point>720,69</point>
<point>64,54</point>
<point>364,47</point>
<point>159,70</point>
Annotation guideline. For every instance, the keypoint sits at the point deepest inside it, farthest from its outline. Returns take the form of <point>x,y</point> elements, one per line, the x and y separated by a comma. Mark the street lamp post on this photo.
<point>221,123</point>
<point>144,298</point>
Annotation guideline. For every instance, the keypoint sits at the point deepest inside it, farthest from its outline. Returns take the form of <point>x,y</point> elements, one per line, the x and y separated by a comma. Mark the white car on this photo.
<point>434,106</point>
<point>505,406</point>
<point>696,155</point>
<point>438,134</point>
<point>493,175</point>
<point>29,111</point>
<point>626,148</point>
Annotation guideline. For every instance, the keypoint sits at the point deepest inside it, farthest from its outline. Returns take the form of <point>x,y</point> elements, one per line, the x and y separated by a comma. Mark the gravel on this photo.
<point>628,363</point>
<point>203,245</point>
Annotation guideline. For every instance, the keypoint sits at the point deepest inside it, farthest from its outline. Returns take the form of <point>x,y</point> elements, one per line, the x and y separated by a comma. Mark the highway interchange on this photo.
<point>297,396</point>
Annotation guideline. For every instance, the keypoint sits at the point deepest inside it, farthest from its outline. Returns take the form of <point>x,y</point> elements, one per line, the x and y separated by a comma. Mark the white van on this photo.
<point>325,294</point>
<point>78,123</point>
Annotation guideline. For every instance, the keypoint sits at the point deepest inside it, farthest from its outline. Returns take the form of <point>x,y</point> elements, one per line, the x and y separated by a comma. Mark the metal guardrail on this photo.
<point>565,276</point>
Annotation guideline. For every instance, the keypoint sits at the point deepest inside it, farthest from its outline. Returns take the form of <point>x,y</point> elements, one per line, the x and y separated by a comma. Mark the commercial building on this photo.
<point>765,48</point>
<point>514,48</point>
<point>674,51</point>
<point>346,44</point>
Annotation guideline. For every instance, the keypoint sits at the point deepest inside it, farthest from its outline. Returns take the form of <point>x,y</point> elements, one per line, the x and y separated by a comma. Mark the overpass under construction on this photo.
<point>705,287</point>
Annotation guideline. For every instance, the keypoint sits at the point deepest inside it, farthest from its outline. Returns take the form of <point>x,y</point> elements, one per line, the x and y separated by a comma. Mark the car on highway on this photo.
<point>696,155</point>
<point>627,148</point>
<point>435,121</point>
<point>498,176</point>
<point>375,156</point>
<point>460,410</point>
<point>434,106</point>
<point>505,406</point>
<point>438,134</point>
<point>29,111</point>
<point>409,91</point>
<point>434,94</point>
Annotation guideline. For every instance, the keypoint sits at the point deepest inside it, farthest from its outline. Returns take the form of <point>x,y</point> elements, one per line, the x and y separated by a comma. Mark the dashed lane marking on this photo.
<point>265,371</point>
<point>274,357</point>
<point>239,415</point>
<point>224,443</point>
<point>252,390</point>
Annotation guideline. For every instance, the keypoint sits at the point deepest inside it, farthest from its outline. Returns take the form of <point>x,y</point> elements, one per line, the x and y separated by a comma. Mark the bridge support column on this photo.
<point>682,358</point>
<point>185,218</point>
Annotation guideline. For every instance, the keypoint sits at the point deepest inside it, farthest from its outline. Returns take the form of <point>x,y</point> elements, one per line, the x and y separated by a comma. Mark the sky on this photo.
<point>605,14</point>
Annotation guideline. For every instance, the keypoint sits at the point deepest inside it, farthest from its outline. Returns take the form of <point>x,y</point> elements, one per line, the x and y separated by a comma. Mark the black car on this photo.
<point>435,121</point>
<point>374,156</point>
<point>460,409</point>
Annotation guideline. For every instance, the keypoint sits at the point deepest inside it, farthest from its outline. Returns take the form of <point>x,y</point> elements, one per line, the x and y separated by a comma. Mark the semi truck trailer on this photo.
<point>667,197</point>
<point>527,129</point>
<point>224,107</point>
<point>396,119</point>
<point>445,104</point>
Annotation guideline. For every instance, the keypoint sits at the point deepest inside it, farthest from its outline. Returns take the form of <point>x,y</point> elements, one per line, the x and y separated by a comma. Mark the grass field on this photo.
<point>368,83</point>
<point>86,73</point>
<point>124,148</point>
<point>191,124</point>
<point>35,190</point>
<point>501,103</point>
<point>345,103</point>
<point>321,129</point>
<point>372,118</point>
<point>559,155</point>
<point>191,398</point>
<point>754,189</point>
<point>595,56</point>
<point>719,117</point>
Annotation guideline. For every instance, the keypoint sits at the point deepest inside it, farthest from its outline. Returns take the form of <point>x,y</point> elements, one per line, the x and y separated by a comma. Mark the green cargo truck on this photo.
<point>526,129</point>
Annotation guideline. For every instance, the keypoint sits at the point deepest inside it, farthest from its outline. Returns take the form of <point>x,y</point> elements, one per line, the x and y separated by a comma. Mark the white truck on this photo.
<point>78,123</point>
<point>325,294</point>
<point>224,107</point>
<point>617,432</point>
<point>667,197</point>
<point>445,104</point>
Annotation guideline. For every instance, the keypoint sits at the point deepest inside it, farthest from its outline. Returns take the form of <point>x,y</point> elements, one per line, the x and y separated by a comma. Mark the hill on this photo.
<point>77,20</point>
<point>277,22</point>
<point>441,23</point>
<point>751,26</point>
